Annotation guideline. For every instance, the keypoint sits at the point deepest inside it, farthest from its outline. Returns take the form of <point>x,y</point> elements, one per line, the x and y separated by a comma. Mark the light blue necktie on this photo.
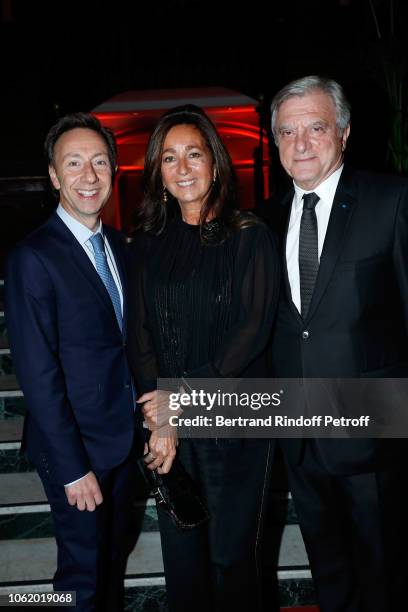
<point>104,272</point>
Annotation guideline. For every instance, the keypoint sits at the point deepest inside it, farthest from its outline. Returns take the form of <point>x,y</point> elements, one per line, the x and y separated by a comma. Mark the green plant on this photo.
<point>390,54</point>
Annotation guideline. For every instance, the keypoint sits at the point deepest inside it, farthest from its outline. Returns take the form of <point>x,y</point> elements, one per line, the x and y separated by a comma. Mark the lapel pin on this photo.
<point>344,205</point>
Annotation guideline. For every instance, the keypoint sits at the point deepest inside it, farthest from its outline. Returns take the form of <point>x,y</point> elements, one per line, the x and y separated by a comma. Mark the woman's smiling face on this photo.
<point>187,166</point>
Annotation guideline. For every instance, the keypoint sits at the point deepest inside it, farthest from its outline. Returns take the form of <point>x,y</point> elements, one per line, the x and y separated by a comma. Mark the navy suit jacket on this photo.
<point>69,354</point>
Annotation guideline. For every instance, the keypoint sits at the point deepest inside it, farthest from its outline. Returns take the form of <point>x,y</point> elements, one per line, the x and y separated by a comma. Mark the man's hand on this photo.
<point>85,493</point>
<point>156,409</point>
<point>162,449</point>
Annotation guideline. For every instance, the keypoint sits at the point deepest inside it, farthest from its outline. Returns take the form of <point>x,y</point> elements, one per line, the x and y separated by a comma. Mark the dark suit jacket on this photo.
<point>357,321</point>
<point>69,354</point>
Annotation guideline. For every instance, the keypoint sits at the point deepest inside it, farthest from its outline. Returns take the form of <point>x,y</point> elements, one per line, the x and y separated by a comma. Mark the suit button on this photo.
<point>124,345</point>
<point>126,385</point>
<point>305,335</point>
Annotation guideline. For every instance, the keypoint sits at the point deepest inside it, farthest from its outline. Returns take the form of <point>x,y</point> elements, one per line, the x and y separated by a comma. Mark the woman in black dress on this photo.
<point>204,284</point>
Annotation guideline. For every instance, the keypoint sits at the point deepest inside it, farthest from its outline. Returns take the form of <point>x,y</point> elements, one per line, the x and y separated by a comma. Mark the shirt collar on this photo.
<point>80,231</point>
<point>326,190</point>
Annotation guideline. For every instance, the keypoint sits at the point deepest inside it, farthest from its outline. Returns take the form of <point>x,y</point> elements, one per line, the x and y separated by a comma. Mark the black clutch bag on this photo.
<point>176,493</point>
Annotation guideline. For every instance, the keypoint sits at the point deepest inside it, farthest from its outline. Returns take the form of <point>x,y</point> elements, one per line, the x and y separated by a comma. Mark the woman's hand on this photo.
<point>156,409</point>
<point>162,449</point>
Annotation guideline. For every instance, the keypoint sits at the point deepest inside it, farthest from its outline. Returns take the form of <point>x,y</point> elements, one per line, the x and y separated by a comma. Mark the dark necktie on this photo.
<point>308,251</point>
<point>104,272</point>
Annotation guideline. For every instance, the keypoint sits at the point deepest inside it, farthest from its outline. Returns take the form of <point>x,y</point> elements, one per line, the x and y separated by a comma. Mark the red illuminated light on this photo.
<point>133,115</point>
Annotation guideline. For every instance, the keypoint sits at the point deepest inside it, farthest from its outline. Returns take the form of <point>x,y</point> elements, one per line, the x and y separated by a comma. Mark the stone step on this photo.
<point>6,362</point>
<point>4,345</point>
<point>23,488</point>
<point>12,461</point>
<point>9,386</point>
<point>145,560</point>
<point>23,492</point>
<point>25,522</point>
<point>2,297</point>
<point>8,382</point>
<point>17,556</point>
<point>11,429</point>
<point>25,513</point>
<point>35,521</point>
<point>11,408</point>
<point>11,452</point>
<point>11,425</point>
<point>145,582</point>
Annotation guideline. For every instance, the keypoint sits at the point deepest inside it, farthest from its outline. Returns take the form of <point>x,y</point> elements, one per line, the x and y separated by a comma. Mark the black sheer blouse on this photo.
<point>199,310</point>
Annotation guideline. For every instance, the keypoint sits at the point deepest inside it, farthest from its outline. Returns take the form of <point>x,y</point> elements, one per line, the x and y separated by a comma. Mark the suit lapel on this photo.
<point>84,264</point>
<point>342,210</point>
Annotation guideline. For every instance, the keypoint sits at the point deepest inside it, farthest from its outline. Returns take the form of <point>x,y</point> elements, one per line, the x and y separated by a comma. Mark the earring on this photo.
<point>164,194</point>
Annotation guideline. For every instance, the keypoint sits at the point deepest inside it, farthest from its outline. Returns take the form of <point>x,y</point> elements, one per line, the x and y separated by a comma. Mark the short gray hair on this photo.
<point>305,85</point>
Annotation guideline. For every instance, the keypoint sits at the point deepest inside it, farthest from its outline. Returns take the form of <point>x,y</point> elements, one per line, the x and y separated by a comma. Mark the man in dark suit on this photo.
<point>343,313</point>
<point>66,317</point>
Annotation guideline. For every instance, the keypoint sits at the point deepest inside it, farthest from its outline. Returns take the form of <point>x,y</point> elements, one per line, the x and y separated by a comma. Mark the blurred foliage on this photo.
<point>388,56</point>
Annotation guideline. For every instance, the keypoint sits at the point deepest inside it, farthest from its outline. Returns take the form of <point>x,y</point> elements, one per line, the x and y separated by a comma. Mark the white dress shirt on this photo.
<point>326,192</point>
<point>83,234</point>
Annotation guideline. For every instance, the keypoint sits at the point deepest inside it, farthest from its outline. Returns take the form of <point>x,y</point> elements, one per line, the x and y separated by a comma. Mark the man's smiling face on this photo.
<point>81,172</point>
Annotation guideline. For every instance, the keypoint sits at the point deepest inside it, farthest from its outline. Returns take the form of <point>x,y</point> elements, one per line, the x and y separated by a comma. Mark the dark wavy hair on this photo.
<point>221,202</point>
<point>81,120</point>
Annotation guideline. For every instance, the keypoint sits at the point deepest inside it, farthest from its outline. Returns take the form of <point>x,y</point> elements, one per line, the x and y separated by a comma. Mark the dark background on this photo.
<point>61,57</point>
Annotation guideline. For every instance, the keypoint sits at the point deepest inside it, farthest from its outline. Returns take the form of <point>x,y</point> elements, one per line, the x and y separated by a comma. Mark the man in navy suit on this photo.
<point>66,318</point>
<point>343,313</point>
